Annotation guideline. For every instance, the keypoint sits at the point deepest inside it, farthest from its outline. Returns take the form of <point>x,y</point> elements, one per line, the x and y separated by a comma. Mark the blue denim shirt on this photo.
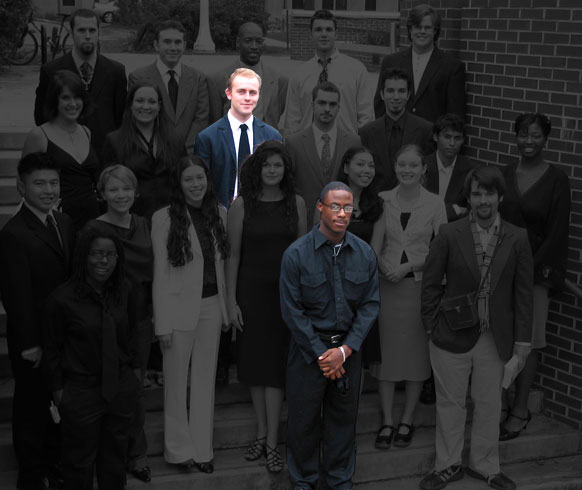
<point>323,294</point>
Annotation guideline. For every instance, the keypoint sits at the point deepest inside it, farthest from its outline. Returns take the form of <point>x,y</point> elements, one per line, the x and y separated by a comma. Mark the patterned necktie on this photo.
<point>244,148</point>
<point>53,230</point>
<point>326,154</point>
<point>394,141</point>
<point>86,73</point>
<point>323,74</point>
<point>109,356</point>
<point>173,88</point>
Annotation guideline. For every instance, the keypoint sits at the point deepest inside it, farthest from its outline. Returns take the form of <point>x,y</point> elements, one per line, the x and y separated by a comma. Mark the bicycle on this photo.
<point>27,48</point>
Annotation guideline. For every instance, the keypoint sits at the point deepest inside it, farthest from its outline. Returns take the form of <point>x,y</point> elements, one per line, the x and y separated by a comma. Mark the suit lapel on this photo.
<point>340,148</point>
<point>62,228</point>
<point>184,90</point>
<point>227,138</point>
<point>153,74</point>
<point>99,78</point>
<point>500,256</point>
<point>457,180</point>
<point>312,156</point>
<point>432,67</point>
<point>467,247</point>
<point>41,231</point>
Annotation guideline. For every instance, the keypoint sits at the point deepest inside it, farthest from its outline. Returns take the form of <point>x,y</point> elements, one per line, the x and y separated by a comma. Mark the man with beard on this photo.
<point>104,79</point>
<point>317,151</point>
<point>476,322</point>
<point>398,127</point>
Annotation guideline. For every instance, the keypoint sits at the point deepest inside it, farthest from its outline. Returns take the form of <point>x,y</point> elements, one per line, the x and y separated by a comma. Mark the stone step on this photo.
<point>5,370</point>
<point>8,162</point>
<point>13,138</point>
<point>9,195</point>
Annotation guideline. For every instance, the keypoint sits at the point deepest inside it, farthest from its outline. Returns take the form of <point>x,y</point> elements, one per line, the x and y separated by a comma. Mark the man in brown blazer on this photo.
<point>316,152</point>
<point>480,255</point>
<point>184,89</point>
<point>271,104</point>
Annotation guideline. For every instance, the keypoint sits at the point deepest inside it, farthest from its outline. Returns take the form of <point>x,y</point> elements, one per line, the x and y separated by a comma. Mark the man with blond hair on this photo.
<point>226,144</point>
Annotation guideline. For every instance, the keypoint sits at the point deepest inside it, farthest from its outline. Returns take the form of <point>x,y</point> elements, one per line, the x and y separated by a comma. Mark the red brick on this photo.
<point>529,60</point>
<point>508,159</point>
<point>474,88</point>
<point>502,103</point>
<point>573,27</point>
<point>487,156</point>
<point>536,95</point>
<point>498,147</point>
<point>487,35</point>
<point>574,64</point>
<point>564,99</point>
<point>568,401</point>
<point>558,14</point>
<point>478,143</point>
<point>567,75</point>
<point>552,85</point>
<point>521,25</point>
<point>516,71</point>
<point>482,101</point>
<point>489,90</point>
<point>485,57</point>
<point>556,386</point>
<point>509,13</point>
<point>524,106</point>
<point>530,37</point>
<point>574,87</point>
<point>488,13</point>
<point>512,93</point>
<point>546,26</point>
<point>507,36</point>
<point>480,78</point>
<point>478,24</point>
<point>497,25</point>
<point>554,38</point>
<point>554,62</point>
<point>504,81</point>
<point>503,126</point>
<point>476,46</point>
<point>494,69</point>
<point>543,49</point>
<point>520,3</point>
<point>488,134</point>
<point>527,83</point>
<point>518,48</point>
<point>506,59</point>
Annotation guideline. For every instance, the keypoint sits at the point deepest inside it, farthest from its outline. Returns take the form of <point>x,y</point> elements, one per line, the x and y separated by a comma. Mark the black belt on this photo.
<point>332,338</point>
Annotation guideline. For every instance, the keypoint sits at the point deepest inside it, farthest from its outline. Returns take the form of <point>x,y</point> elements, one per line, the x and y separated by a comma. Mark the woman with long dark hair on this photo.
<point>263,221</point>
<point>145,145</point>
<point>89,345</point>
<point>537,199</point>
<point>69,144</point>
<point>189,298</point>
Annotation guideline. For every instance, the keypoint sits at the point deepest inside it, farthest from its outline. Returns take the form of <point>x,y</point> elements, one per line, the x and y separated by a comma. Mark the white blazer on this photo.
<point>177,291</point>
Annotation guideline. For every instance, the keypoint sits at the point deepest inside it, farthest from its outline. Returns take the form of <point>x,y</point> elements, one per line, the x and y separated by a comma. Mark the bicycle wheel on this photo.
<point>26,51</point>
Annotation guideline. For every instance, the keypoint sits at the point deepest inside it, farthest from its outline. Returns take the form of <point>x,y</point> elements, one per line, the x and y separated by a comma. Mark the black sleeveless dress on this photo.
<point>78,184</point>
<point>263,344</point>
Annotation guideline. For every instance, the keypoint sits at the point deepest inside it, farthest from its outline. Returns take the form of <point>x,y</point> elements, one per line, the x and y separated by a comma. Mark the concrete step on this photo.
<point>13,138</point>
<point>5,370</point>
<point>8,162</point>
<point>9,195</point>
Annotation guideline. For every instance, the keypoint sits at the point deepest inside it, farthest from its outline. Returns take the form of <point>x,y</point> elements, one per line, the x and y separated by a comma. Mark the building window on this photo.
<point>370,5</point>
<point>297,4</point>
<point>334,4</point>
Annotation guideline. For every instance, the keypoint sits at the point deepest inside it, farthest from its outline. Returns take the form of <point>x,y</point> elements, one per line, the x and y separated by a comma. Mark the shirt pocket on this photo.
<point>313,289</point>
<point>355,284</point>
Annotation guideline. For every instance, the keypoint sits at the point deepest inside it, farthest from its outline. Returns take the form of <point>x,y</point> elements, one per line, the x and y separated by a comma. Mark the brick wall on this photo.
<point>526,56</point>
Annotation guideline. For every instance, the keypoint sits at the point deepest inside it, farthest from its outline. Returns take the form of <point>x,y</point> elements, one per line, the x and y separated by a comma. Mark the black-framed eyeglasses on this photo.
<point>336,208</point>
<point>102,254</point>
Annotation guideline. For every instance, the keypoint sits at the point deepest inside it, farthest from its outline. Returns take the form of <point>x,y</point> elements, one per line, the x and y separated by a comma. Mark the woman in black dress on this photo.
<point>263,221</point>
<point>69,144</point>
<point>538,199</point>
<point>89,350</point>
<point>118,186</point>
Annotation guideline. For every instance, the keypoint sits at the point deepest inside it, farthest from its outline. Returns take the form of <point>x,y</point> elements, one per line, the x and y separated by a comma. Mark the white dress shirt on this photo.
<point>235,125</point>
<point>164,69</point>
<point>419,62</point>
<point>444,174</point>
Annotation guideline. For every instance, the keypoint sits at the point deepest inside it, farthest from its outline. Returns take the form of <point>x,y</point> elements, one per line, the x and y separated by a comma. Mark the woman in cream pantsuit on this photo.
<point>189,299</point>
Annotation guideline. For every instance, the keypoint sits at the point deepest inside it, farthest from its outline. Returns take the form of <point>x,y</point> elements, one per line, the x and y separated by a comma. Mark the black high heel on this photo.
<point>508,435</point>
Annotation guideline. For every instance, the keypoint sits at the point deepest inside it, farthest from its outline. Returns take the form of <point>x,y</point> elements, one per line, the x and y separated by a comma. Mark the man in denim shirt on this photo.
<point>329,301</point>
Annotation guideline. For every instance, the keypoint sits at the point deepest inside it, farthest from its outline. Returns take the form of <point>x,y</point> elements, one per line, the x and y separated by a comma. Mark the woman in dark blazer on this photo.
<point>145,145</point>
<point>189,298</point>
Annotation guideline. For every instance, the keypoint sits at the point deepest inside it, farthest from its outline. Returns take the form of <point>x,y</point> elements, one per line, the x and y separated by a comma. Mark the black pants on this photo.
<point>95,433</point>
<point>34,435</point>
<point>318,413</point>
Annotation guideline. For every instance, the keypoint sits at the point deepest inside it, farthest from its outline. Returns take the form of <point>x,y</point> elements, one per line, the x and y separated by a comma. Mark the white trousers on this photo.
<point>188,432</point>
<point>451,374</point>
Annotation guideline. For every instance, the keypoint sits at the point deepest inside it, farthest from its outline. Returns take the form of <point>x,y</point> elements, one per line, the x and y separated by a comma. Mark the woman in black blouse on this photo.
<point>89,350</point>
<point>189,298</point>
<point>538,199</point>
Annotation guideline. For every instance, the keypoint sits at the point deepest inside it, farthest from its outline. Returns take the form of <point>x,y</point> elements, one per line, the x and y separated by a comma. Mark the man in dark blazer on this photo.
<point>398,127</point>
<point>225,144</point>
<point>439,78</point>
<point>480,255</point>
<point>271,104</point>
<point>446,168</point>
<point>306,148</point>
<point>104,79</point>
<point>35,250</point>
<point>184,89</point>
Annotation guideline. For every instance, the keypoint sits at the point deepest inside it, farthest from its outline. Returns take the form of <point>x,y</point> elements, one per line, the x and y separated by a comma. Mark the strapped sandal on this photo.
<point>256,449</point>
<point>274,460</point>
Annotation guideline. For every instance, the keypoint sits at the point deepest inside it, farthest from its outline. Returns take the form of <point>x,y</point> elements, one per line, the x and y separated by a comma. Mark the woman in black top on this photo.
<point>89,351</point>
<point>537,198</point>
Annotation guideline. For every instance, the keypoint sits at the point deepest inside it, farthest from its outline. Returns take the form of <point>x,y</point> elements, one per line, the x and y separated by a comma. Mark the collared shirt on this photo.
<point>39,214</point>
<point>426,217</point>
<point>419,62</point>
<point>92,60</point>
<point>318,133</point>
<point>445,173</point>
<point>323,294</point>
<point>350,76</point>
<point>164,69</point>
<point>235,125</point>
<point>485,235</point>
<point>72,332</point>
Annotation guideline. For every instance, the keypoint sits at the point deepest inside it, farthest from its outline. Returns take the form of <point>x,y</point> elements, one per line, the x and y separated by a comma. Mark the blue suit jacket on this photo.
<point>215,145</point>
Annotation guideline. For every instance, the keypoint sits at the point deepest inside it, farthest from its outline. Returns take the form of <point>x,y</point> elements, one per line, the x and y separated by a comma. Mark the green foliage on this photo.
<point>13,20</point>
<point>225,18</point>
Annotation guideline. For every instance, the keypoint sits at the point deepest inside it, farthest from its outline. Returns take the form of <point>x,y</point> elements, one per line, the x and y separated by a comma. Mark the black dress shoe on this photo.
<point>144,474</point>
<point>403,440</point>
<point>205,467</point>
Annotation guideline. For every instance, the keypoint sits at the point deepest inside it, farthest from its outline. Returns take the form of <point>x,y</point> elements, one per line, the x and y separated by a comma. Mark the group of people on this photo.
<point>356,235</point>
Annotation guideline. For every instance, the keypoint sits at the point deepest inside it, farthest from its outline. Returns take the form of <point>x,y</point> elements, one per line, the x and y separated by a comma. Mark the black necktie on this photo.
<point>53,230</point>
<point>394,141</point>
<point>109,356</point>
<point>244,148</point>
<point>323,74</point>
<point>173,88</point>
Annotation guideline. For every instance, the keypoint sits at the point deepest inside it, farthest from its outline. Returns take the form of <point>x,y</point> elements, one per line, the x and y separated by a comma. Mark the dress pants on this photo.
<point>318,413</point>
<point>95,432</point>
<point>188,433</point>
<point>35,437</point>
<point>451,373</point>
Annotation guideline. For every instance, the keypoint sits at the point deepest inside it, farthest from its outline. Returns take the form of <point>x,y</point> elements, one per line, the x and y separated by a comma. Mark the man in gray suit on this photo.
<point>251,42</point>
<point>184,89</point>
<point>316,152</point>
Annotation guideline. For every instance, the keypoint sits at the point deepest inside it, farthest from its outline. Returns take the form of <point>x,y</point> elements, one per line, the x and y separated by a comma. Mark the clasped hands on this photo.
<point>332,360</point>
<point>395,274</point>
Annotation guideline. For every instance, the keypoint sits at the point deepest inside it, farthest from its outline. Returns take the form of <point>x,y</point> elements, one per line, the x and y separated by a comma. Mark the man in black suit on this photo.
<point>104,78</point>
<point>35,247</point>
<point>446,169</point>
<point>398,127</point>
<point>439,78</point>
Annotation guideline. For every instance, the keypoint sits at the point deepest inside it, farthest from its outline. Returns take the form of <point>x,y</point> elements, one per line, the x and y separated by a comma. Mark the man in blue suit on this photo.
<point>226,144</point>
